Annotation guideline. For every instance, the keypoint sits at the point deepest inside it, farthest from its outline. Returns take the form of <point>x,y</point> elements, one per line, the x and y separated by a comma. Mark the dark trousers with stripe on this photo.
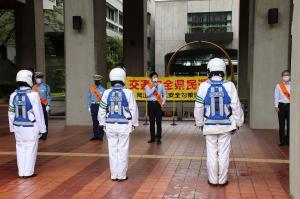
<point>97,130</point>
<point>284,121</point>
<point>46,118</point>
<point>155,116</point>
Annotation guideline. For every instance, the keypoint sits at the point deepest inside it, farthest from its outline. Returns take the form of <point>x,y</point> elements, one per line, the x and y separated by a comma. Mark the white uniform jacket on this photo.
<point>35,114</point>
<point>133,108</point>
<point>237,117</point>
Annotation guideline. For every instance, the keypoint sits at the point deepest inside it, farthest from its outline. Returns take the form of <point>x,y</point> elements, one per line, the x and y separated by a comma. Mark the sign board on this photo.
<point>178,88</point>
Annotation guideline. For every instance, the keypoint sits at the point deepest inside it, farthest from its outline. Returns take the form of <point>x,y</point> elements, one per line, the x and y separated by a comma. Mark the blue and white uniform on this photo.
<point>218,111</point>
<point>44,91</point>
<point>118,112</point>
<point>91,98</point>
<point>26,121</point>
<point>93,107</point>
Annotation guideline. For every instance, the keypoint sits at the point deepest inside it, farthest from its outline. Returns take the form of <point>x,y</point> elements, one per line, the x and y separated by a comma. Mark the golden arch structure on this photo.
<point>168,67</point>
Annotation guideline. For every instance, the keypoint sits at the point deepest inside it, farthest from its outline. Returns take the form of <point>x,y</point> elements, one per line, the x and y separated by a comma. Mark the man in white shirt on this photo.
<point>282,106</point>
<point>157,96</point>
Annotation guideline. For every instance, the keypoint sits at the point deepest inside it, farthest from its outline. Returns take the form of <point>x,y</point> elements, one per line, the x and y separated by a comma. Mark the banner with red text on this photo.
<point>178,88</point>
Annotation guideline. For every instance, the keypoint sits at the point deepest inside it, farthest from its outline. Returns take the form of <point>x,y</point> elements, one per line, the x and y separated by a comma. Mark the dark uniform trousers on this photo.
<point>155,115</point>
<point>284,119</point>
<point>97,130</point>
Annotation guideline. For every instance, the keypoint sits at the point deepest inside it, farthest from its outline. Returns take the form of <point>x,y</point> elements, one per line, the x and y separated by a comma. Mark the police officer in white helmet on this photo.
<point>26,121</point>
<point>118,113</point>
<point>218,113</point>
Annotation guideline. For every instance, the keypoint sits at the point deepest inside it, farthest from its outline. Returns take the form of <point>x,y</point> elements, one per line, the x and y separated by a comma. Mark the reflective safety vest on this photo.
<point>217,104</point>
<point>43,100</point>
<point>22,105</point>
<point>118,109</point>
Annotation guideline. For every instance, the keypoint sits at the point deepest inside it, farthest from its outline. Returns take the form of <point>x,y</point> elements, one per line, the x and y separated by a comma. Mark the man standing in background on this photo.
<point>157,96</point>
<point>282,106</point>
<point>94,98</point>
<point>44,92</point>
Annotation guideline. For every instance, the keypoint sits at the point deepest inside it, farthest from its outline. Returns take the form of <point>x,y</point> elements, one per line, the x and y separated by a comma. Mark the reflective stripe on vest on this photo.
<point>157,96</point>
<point>284,90</point>
<point>22,105</point>
<point>43,100</point>
<point>118,108</point>
<point>95,93</point>
<point>217,101</point>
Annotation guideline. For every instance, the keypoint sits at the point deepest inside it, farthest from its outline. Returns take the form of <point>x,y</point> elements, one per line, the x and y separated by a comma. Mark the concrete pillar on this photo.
<point>100,38</point>
<point>30,42</point>
<point>243,81</point>
<point>135,36</point>
<point>270,57</point>
<point>295,107</point>
<point>84,55</point>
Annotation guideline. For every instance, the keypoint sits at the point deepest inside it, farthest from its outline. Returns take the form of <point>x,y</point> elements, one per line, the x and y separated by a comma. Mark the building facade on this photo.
<point>178,22</point>
<point>150,36</point>
<point>114,18</point>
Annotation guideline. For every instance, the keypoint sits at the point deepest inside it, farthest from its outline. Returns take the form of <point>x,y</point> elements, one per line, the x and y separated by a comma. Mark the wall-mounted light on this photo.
<point>77,22</point>
<point>273,16</point>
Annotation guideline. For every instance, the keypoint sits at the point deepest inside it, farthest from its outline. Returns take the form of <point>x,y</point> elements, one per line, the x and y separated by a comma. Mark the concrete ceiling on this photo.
<point>10,4</point>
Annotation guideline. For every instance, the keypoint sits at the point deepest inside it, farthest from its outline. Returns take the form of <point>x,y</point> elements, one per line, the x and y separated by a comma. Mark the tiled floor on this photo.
<point>69,166</point>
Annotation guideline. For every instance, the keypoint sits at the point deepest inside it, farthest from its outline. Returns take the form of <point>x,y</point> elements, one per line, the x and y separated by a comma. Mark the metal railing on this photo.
<point>210,28</point>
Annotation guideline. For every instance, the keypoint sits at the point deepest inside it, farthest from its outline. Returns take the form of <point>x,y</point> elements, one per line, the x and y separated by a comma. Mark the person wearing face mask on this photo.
<point>218,113</point>
<point>44,92</point>
<point>282,106</point>
<point>157,96</point>
<point>93,101</point>
<point>26,121</point>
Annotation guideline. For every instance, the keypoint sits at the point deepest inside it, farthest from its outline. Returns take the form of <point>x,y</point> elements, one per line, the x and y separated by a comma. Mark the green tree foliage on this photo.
<point>114,51</point>
<point>59,84</point>
<point>54,30</point>
<point>54,19</point>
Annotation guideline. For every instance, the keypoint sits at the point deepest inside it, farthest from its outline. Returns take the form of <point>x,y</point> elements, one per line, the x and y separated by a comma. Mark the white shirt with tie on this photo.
<point>279,96</point>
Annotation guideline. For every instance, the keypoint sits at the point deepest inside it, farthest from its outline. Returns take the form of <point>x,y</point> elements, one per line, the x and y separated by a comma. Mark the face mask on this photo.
<point>97,83</point>
<point>286,78</point>
<point>154,80</point>
<point>38,81</point>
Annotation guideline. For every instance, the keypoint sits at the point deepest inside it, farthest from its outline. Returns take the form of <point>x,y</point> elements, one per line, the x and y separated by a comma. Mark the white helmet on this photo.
<point>117,74</point>
<point>25,76</point>
<point>216,64</point>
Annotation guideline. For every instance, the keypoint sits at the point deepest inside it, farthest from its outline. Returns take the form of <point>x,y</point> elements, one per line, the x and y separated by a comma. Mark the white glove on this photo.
<point>90,110</point>
<point>47,108</point>
<point>234,131</point>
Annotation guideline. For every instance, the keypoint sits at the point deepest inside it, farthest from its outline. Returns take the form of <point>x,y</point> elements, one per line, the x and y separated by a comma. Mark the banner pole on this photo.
<point>174,106</point>
<point>146,113</point>
<point>146,104</point>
